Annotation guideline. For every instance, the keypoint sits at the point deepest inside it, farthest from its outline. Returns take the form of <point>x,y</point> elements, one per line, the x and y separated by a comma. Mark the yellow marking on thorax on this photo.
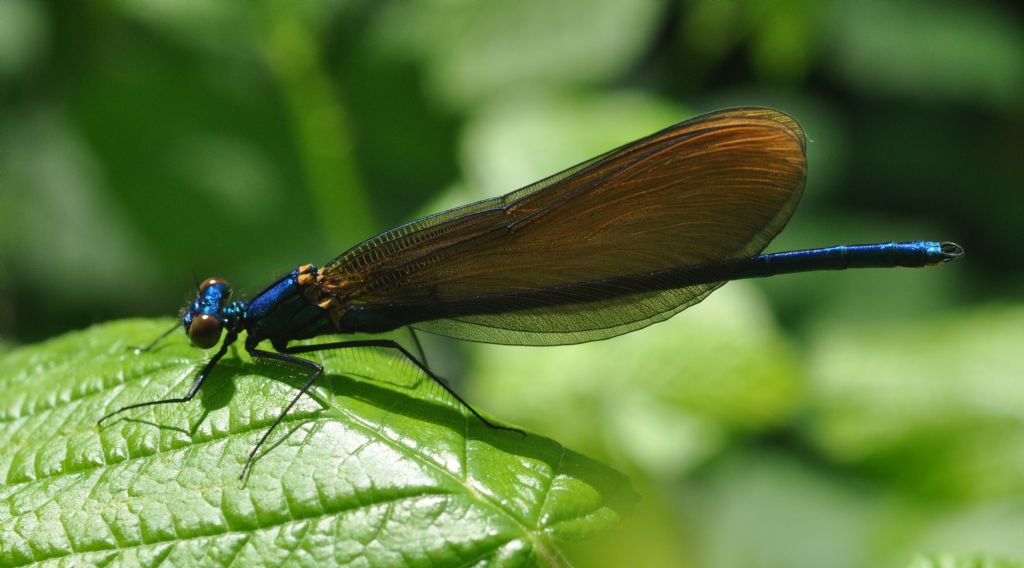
<point>312,282</point>
<point>307,274</point>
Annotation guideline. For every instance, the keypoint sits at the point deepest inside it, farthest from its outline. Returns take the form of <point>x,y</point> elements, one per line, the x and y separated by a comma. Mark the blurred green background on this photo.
<point>840,419</point>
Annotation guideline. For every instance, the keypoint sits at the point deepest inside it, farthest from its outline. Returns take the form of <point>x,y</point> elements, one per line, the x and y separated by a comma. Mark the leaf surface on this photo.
<point>365,471</point>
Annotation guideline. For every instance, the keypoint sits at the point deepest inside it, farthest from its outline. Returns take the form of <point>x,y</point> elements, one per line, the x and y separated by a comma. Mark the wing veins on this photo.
<point>622,169</point>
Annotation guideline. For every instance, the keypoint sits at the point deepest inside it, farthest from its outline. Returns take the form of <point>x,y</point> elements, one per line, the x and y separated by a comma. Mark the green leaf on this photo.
<point>472,51</point>
<point>934,404</point>
<point>366,470</point>
<point>941,51</point>
<point>946,561</point>
<point>769,508</point>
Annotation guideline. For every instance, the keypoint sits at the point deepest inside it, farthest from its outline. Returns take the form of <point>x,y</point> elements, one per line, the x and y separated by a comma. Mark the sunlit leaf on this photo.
<point>23,35</point>
<point>963,51</point>
<point>386,473</point>
<point>472,50</point>
<point>948,561</point>
<point>935,405</point>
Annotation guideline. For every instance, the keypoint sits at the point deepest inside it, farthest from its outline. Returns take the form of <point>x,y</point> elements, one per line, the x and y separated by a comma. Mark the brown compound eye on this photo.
<point>204,332</point>
<point>211,281</point>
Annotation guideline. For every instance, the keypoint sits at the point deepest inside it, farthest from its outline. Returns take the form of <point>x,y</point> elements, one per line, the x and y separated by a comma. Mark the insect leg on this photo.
<point>419,346</point>
<point>390,344</point>
<point>317,371</point>
<point>153,343</point>
<point>195,386</point>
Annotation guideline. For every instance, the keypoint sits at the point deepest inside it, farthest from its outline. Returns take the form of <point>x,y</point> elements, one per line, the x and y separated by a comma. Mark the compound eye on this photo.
<point>211,281</point>
<point>205,331</point>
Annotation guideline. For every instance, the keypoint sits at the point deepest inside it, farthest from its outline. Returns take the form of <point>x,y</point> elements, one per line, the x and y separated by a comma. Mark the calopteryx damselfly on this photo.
<point>609,246</point>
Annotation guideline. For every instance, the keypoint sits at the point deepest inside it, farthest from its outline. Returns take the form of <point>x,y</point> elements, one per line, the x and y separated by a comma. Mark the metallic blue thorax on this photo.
<point>286,309</point>
<point>283,311</point>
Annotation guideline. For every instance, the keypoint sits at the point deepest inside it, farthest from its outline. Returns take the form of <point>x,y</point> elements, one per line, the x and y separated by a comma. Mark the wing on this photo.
<point>514,269</point>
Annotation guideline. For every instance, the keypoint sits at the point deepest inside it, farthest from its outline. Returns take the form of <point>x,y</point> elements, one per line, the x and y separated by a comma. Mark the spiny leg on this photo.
<point>419,346</point>
<point>153,343</point>
<point>317,371</point>
<point>390,344</point>
<point>195,386</point>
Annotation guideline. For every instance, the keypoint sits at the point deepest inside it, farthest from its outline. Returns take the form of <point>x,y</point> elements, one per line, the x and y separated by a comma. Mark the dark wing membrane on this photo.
<point>514,269</point>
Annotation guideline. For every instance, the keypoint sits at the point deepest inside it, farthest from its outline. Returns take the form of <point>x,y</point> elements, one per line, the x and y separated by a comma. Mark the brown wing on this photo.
<point>716,187</point>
